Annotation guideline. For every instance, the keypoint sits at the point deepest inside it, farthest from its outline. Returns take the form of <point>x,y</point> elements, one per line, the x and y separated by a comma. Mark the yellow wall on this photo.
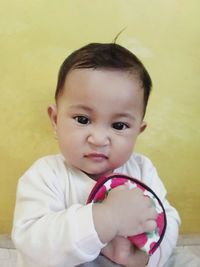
<point>35,37</point>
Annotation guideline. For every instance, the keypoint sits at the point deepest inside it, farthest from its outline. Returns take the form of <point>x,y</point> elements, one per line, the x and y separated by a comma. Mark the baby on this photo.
<point>101,98</point>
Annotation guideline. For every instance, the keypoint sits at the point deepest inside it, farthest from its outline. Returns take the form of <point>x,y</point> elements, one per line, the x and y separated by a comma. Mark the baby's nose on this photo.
<point>99,137</point>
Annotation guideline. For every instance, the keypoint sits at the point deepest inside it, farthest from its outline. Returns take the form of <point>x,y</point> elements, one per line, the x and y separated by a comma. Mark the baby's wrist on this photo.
<point>103,222</point>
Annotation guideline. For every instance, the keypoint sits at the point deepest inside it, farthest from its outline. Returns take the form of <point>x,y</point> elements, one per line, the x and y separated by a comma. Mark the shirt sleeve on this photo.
<point>45,231</point>
<point>162,254</point>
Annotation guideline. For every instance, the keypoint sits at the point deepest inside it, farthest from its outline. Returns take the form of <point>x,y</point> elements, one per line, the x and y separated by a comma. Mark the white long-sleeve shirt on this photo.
<point>53,226</point>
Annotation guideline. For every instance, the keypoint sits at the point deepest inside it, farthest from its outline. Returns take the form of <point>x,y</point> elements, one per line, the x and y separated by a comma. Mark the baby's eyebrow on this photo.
<point>82,107</point>
<point>125,115</point>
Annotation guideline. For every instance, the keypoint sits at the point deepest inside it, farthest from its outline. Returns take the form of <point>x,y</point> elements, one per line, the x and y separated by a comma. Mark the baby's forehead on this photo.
<point>128,74</point>
<point>101,79</point>
<point>90,81</point>
<point>110,88</point>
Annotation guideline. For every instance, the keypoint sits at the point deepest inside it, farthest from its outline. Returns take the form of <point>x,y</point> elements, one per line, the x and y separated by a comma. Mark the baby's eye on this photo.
<point>82,119</point>
<point>120,125</point>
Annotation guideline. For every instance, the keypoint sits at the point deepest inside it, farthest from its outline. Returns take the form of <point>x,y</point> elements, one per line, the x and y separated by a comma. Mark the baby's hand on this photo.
<point>121,251</point>
<point>125,213</point>
<point>131,212</point>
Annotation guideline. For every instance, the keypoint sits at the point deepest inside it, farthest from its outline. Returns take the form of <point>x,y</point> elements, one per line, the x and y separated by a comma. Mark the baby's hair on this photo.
<point>105,56</point>
<point>117,36</point>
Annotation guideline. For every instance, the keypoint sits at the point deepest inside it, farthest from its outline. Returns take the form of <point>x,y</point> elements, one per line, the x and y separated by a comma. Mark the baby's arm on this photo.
<point>159,258</point>
<point>46,232</point>
<point>121,251</point>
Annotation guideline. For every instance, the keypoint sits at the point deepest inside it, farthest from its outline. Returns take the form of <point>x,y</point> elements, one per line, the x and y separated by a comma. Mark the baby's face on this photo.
<point>98,118</point>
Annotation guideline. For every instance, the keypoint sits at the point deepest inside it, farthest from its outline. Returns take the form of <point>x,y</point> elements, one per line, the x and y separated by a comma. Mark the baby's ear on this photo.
<point>52,112</point>
<point>143,126</point>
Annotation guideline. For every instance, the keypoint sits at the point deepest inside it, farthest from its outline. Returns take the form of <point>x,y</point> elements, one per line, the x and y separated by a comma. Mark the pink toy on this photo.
<point>147,242</point>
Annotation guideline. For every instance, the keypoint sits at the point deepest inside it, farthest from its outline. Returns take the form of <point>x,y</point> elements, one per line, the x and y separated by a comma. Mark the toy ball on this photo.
<point>149,241</point>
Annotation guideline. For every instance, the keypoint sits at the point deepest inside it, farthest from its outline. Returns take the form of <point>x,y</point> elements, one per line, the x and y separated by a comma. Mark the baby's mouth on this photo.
<point>96,156</point>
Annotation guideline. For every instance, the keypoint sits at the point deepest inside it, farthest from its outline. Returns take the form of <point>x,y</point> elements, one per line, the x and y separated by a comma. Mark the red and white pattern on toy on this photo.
<point>147,242</point>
